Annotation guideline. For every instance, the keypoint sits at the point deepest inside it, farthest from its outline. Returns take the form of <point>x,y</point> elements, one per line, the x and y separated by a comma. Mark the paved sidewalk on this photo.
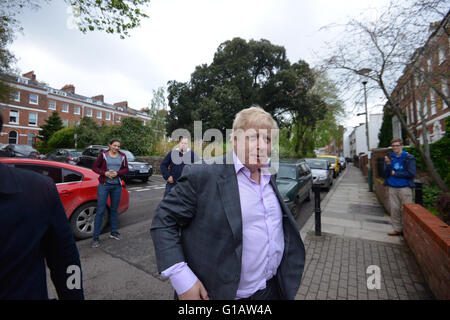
<point>354,237</point>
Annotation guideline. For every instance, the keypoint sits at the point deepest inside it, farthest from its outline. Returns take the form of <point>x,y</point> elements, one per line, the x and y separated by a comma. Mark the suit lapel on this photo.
<point>229,195</point>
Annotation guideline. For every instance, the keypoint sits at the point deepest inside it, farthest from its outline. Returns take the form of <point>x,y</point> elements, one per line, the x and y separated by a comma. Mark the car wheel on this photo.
<point>144,179</point>
<point>294,210</point>
<point>82,220</point>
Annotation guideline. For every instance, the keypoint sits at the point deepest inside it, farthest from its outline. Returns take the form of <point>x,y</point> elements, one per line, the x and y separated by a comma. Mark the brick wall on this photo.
<point>429,239</point>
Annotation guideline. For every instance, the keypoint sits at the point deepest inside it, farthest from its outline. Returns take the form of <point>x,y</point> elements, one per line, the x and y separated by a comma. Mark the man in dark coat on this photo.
<point>35,231</point>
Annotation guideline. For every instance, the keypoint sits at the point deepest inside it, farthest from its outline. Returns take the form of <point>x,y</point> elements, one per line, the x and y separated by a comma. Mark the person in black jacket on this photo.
<point>173,163</point>
<point>35,231</point>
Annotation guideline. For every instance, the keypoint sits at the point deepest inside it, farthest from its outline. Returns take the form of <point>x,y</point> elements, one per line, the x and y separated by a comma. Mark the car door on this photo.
<point>68,192</point>
<point>308,177</point>
<point>70,189</point>
<point>302,182</point>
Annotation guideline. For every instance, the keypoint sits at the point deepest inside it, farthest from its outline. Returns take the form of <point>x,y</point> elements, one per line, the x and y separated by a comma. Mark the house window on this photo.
<point>76,122</point>
<point>15,96</point>
<point>65,122</point>
<point>65,107</point>
<point>441,53</point>
<point>76,110</point>
<point>89,112</point>
<point>12,137</point>
<point>118,119</point>
<point>14,116</point>
<point>34,98</point>
<point>52,105</point>
<point>31,139</point>
<point>32,119</point>
<point>99,114</point>
<point>108,116</point>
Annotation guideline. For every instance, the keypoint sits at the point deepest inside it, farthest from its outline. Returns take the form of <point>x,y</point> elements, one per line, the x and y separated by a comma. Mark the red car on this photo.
<point>77,188</point>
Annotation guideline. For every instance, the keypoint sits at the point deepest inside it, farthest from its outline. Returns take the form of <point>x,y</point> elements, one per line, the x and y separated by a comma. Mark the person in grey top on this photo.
<point>111,165</point>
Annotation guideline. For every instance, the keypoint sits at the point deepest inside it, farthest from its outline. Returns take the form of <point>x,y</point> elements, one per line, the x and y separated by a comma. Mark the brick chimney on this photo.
<point>69,88</point>
<point>30,75</point>
<point>123,104</point>
<point>100,97</point>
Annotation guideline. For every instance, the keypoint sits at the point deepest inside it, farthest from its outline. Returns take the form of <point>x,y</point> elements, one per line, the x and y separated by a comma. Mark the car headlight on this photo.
<point>130,167</point>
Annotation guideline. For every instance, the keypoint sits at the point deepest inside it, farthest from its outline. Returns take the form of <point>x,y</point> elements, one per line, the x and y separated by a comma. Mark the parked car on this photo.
<point>77,189</point>
<point>89,155</point>
<point>334,163</point>
<point>19,150</point>
<point>294,181</point>
<point>342,163</point>
<point>64,155</point>
<point>322,172</point>
<point>137,170</point>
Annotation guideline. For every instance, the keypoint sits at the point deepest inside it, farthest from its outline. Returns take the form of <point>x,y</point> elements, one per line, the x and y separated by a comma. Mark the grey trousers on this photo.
<point>398,197</point>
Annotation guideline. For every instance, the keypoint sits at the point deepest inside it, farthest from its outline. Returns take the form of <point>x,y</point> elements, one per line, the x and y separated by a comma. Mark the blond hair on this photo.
<point>255,115</point>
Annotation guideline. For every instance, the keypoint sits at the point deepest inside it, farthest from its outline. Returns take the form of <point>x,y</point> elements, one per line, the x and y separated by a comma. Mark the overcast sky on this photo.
<point>178,36</point>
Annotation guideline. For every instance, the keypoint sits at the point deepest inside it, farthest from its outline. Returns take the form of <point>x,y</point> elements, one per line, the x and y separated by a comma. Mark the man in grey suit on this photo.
<point>224,232</point>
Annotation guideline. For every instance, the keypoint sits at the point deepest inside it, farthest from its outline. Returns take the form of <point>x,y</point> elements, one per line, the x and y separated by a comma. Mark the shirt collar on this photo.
<point>238,166</point>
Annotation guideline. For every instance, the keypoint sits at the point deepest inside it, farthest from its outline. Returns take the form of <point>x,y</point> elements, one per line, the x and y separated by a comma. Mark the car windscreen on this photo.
<point>75,153</point>
<point>23,148</point>
<point>287,172</point>
<point>317,164</point>
<point>332,160</point>
<point>130,156</point>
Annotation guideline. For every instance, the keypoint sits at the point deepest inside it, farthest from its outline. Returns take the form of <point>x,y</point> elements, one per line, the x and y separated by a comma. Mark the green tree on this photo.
<point>158,113</point>
<point>63,138</point>
<point>134,136</point>
<point>88,133</point>
<point>233,81</point>
<point>52,124</point>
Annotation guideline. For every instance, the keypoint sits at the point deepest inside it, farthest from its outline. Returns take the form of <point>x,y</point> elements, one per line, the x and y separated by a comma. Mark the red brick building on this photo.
<point>31,103</point>
<point>414,91</point>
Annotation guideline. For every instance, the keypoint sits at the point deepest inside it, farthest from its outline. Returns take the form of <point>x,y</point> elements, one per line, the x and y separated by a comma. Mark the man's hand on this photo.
<point>170,180</point>
<point>197,292</point>
<point>392,173</point>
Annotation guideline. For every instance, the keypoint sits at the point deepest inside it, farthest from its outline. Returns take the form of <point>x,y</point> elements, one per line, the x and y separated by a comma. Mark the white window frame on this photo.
<point>62,107</point>
<point>51,105</point>
<point>29,123</point>
<point>17,117</point>
<point>15,96</point>
<point>37,99</point>
<point>89,113</point>
<point>98,112</point>
<point>31,135</point>
<point>75,108</point>
<point>65,122</point>
<point>118,118</point>
<point>17,137</point>
<point>108,116</point>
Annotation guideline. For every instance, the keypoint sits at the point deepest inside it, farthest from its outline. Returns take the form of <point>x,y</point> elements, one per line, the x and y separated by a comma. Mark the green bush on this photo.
<point>63,138</point>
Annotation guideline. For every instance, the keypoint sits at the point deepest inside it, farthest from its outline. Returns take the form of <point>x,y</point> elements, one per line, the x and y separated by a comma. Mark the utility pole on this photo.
<point>369,174</point>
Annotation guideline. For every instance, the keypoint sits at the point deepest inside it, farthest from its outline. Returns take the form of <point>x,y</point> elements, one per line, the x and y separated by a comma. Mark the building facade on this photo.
<point>422,91</point>
<point>32,103</point>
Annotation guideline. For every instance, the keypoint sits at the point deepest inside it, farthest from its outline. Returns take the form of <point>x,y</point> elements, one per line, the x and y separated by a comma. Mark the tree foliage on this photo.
<point>52,124</point>
<point>134,136</point>
<point>63,138</point>
<point>242,74</point>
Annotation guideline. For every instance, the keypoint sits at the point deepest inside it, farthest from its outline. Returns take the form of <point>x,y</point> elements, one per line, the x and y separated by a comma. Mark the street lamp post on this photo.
<point>369,173</point>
